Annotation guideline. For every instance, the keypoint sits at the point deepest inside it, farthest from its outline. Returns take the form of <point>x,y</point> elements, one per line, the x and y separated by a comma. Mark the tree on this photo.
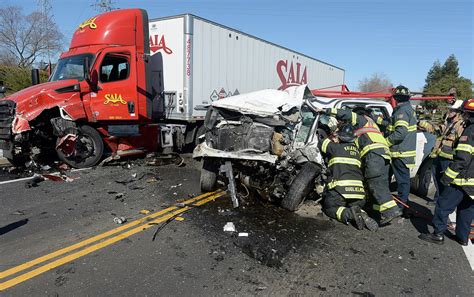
<point>441,79</point>
<point>25,39</point>
<point>377,82</point>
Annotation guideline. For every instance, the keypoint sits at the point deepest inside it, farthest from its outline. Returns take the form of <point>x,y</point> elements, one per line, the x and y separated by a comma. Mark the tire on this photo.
<point>209,172</point>
<point>301,186</point>
<point>93,140</point>
<point>18,161</point>
<point>420,184</point>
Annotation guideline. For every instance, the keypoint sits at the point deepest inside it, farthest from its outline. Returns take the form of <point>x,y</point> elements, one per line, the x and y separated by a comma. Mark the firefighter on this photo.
<point>401,138</point>
<point>375,156</point>
<point>345,194</point>
<point>443,152</point>
<point>458,181</point>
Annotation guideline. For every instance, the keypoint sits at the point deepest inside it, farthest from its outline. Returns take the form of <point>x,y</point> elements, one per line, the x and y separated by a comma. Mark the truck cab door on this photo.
<point>116,96</point>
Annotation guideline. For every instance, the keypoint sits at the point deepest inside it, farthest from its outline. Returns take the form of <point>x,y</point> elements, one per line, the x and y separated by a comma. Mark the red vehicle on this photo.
<point>101,96</point>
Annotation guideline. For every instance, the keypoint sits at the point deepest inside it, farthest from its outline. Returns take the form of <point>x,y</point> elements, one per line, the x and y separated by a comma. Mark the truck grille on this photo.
<point>7,113</point>
<point>240,137</point>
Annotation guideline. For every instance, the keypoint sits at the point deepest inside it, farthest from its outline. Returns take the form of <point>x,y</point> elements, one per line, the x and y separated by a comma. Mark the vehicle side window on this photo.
<point>380,111</point>
<point>114,67</point>
<point>307,120</point>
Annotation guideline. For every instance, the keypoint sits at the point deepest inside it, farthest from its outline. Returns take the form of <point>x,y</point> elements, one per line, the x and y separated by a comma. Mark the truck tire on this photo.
<point>92,145</point>
<point>301,186</point>
<point>420,184</point>
<point>209,172</point>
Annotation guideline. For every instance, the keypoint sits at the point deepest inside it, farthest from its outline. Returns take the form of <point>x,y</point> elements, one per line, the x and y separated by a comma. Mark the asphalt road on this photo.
<point>284,254</point>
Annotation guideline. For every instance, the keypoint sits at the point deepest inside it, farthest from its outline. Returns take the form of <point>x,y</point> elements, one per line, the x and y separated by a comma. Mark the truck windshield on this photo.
<point>70,68</point>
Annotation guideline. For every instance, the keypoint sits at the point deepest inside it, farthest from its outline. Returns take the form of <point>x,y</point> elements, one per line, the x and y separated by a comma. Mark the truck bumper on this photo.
<point>7,114</point>
<point>202,150</point>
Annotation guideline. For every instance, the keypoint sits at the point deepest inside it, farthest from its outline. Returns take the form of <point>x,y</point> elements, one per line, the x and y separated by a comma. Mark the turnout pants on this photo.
<point>376,170</point>
<point>337,207</point>
<point>450,199</point>
<point>440,165</point>
<point>402,175</point>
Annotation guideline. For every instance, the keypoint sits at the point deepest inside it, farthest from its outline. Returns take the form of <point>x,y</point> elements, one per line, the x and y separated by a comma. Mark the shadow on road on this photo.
<point>13,226</point>
<point>421,217</point>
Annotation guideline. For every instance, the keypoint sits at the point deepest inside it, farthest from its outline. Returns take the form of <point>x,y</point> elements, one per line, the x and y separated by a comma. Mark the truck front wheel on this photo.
<point>88,148</point>
<point>209,172</point>
<point>301,186</point>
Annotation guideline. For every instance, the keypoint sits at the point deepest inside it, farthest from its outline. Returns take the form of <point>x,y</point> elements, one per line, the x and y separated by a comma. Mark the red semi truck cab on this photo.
<point>105,81</point>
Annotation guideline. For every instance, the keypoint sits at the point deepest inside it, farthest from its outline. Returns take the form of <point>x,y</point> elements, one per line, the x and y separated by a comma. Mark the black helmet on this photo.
<point>401,93</point>
<point>362,110</point>
<point>346,133</point>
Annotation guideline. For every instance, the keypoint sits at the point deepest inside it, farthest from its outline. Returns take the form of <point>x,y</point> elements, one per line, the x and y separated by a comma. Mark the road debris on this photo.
<point>243,234</point>
<point>229,227</point>
<point>119,220</point>
<point>18,213</point>
<point>180,219</point>
<point>176,186</point>
<point>144,211</point>
<point>119,195</point>
<point>37,178</point>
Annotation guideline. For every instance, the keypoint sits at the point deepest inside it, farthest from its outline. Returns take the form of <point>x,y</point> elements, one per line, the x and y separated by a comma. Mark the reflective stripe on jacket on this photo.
<point>344,165</point>
<point>401,134</point>
<point>461,171</point>
<point>444,146</point>
<point>369,137</point>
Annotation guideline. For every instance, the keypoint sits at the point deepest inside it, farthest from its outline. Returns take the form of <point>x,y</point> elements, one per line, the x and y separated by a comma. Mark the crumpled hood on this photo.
<point>29,93</point>
<point>267,102</point>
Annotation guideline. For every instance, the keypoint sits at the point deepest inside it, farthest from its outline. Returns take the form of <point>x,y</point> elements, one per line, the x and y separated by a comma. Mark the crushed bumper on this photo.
<point>7,114</point>
<point>202,150</point>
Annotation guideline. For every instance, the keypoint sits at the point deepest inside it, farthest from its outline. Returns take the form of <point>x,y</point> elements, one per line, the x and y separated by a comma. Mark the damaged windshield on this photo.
<point>307,120</point>
<point>70,68</point>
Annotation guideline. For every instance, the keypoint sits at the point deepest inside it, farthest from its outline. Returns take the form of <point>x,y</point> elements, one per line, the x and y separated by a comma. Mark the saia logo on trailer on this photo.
<point>288,76</point>
<point>157,43</point>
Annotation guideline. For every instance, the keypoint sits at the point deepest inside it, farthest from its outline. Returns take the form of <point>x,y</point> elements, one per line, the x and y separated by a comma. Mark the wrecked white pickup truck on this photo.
<point>267,141</point>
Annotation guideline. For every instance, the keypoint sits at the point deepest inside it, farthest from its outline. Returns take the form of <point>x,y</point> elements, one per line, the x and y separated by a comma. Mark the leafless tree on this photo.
<point>377,82</point>
<point>24,39</point>
<point>104,5</point>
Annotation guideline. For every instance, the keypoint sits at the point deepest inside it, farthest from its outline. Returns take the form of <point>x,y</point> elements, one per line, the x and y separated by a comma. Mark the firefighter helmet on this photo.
<point>468,106</point>
<point>457,105</point>
<point>346,133</point>
<point>401,93</point>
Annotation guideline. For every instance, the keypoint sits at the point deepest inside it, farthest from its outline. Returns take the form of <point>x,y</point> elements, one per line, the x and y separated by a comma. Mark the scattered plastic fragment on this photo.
<point>243,234</point>
<point>119,220</point>
<point>229,227</point>
<point>175,186</point>
<point>18,213</point>
<point>179,219</point>
<point>144,211</point>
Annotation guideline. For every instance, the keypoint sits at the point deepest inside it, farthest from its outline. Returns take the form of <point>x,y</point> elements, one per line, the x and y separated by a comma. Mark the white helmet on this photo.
<point>457,105</point>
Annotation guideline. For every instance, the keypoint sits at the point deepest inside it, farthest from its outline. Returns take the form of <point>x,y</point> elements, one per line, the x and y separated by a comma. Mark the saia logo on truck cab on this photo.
<point>114,99</point>
<point>288,77</point>
<point>157,43</point>
<point>88,23</point>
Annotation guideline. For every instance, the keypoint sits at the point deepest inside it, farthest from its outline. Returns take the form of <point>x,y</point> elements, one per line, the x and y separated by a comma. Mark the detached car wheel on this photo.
<point>301,186</point>
<point>209,172</point>
<point>89,148</point>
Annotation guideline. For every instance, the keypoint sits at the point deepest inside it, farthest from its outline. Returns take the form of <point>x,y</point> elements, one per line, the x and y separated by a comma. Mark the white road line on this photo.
<point>31,177</point>
<point>469,249</point>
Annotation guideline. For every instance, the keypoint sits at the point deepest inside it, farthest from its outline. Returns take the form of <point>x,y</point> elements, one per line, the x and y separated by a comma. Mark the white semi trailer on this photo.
<point>204,61</point>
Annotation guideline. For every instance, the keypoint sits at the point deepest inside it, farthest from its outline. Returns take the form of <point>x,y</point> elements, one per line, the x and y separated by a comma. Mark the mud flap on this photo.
<point>226,168</point>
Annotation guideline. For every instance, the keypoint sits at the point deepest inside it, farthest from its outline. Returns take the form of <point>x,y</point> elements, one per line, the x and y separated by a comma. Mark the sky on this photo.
<point>400,38</point>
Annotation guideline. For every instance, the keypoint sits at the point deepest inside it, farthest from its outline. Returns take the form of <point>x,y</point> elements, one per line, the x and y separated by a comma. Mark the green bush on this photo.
<point>16,78</point>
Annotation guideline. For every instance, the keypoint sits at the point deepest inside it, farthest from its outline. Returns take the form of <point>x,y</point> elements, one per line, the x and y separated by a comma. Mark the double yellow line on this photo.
<point>143,224</point>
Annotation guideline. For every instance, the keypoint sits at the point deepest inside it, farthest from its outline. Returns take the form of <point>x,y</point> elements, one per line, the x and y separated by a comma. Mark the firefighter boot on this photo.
<point>369,223</point>
<point>356,216</point>
<point>437,238</point>
<point>389,215</point>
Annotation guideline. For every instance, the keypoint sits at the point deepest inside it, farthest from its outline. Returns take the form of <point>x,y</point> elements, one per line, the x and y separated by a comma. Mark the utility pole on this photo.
<point>103,5</point>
